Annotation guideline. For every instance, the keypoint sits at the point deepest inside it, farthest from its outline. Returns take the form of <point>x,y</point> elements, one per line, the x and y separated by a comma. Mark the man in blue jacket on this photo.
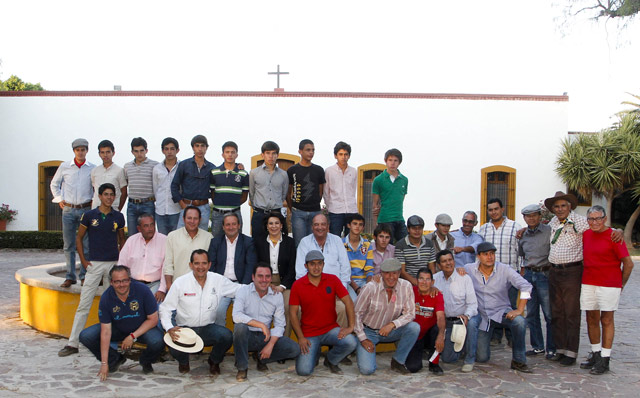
<point>232,255</point>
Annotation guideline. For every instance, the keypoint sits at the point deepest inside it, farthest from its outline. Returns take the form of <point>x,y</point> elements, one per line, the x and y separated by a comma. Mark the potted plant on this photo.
<point>6,215</point>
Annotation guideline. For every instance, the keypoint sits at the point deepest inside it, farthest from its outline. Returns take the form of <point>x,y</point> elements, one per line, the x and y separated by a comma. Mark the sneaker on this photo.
<point>535,351</point>
<point>467,367</point>
<point>550,355</point>
<point>399,367</point>
<point>67,350</point>
<point>520,367</point>
<point>335,369</point>
<point>114,368</point>
<point>567,361</point>
<point>601,366</point>
<point>435,369</point>
<point>591,360</point>
<point>556,357</point>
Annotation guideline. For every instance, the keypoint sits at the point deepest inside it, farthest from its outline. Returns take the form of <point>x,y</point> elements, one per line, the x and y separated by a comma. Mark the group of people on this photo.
<point>445,295</point>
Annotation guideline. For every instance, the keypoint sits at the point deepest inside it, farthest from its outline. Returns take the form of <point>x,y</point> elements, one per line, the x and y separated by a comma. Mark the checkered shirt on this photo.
<point>568,247</point>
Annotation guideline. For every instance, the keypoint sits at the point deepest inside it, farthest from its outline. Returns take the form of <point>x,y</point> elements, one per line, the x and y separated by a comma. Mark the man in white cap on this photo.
<point>385,311</point>
<point>72,190</point>
<point>194,297</point>
<point>533,247</point>
<point>441,238</point>
<point>460,305</point>
<point>314,296</point>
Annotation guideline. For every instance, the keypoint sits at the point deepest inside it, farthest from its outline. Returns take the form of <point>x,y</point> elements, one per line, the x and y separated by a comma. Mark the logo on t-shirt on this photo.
<point>116,309</point>
<point>328,289</point>
<point>94,222</point>
<point>237,178</point>
<point>134,305</point>
<point>115,226</point>
<point>426,312</point>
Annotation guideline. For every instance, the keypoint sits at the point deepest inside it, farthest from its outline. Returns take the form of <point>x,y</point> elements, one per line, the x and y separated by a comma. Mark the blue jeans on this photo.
<point>216,221</point>
<point>153,338</point>
<point>448,355</point>
<point>539,299</point>
<point>205,213</point>
<point>135,210</point>
<point>338,223</point>
<point>499,330</point>
<point>406,337</point>
<point>220,338</point>
<point>70,223</point>
<point>245,340</point>
<point>341,348</point>
<point>167,222</point>
<point>221,311</point>
<point>518,327</point>
<point>352,293</point>
<point>398,229</point>
<point>301,223</point>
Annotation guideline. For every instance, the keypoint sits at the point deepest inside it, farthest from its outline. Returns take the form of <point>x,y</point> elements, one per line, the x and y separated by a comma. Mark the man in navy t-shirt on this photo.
<point>105,228</point>
<point>128,313</point>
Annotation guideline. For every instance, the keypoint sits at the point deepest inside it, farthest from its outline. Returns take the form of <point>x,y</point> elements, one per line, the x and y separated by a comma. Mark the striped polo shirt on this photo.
<point>413,257</point>
<point>140,178</point>
<point>228,186</point>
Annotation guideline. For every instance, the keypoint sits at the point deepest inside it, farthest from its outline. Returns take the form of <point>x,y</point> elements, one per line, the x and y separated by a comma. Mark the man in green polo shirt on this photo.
<point>389,190</point>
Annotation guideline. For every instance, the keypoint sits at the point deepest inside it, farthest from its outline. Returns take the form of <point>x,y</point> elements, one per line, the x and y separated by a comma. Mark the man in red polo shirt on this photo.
<point>602,283</point>
<point>315,294</point>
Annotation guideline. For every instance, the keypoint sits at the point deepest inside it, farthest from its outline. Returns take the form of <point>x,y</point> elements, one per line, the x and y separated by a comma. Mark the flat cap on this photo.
<point>415,221</point>
<point>79,142</point>
<point>444,219</point>
<point>313,255</point>
<point>485,247</point>
<point>390,265</point>
<point>530,209</point>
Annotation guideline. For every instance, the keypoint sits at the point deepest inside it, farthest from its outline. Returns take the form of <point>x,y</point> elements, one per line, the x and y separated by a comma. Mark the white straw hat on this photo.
<point>188,341</point>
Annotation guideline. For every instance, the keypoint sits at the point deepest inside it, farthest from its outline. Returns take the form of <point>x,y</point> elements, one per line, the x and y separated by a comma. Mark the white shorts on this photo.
<point>599,298</point>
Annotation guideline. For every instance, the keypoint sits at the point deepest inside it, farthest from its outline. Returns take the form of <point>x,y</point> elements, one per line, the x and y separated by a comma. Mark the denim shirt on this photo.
<point>191,183</point>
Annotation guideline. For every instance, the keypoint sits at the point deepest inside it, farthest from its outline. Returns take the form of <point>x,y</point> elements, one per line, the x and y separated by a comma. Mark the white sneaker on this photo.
<point>467,367</point>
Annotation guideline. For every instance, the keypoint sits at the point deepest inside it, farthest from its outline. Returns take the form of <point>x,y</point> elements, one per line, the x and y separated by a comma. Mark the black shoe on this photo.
<point>520,367</point>
<point>184,368</point>
<point>282,361</point>
<point>116,365</point>
<point>534,352</point>
<point>67,350</point>
<point>147,368</point>
<point>346,361</point>
<point>509,343</point>
<point>601,366</point>
<point>398,367</point>
<point>591,360</point>
<point>435,369</point>
<point>261,366</point>
<point>550,355</point>
<point>335,369</point>
<point>556,357</point>
<point>567,361</point>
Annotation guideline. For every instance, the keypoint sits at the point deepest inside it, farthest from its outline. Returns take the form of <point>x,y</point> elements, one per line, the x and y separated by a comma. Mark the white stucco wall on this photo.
<point>445,142</point>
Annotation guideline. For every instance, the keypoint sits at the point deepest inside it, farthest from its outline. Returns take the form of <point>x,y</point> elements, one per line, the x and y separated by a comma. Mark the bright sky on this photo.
<point>501,47</point>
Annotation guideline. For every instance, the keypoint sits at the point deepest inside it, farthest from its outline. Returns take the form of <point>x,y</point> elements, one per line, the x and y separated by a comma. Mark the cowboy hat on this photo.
<point>188,341</point>
<point>571,198</point>
<point>458,335</point>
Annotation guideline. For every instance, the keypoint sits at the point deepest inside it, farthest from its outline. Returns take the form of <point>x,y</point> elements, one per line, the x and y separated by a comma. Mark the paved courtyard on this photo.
<point>30,366</point>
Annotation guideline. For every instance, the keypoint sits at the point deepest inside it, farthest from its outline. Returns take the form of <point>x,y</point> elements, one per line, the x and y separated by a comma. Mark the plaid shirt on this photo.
<point>568,246</point>
<point>504,239</point>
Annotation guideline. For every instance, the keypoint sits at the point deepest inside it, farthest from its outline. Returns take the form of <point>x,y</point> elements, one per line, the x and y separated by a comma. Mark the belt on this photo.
<point>138,201</point>
<point>226,211</point>
<point>453,319</point>
<point>567,265</point>
<point>145,282</point>
<point>539,269</point>
<point>196,202</point>
<point>265,211</point>
<point>81,206</point>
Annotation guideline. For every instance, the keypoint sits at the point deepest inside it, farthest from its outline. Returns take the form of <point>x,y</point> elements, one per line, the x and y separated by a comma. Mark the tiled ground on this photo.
<point>29,365</point>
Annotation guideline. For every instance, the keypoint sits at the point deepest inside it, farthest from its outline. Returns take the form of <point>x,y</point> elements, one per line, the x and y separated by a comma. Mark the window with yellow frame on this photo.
<point>498,182</point>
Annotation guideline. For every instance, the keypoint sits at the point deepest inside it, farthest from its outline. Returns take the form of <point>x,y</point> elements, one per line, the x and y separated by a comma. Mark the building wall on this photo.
<point>445,142</point>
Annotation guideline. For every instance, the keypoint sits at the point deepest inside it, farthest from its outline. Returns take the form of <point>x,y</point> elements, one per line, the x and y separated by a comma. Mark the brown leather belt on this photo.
<point>138,201</point>
<point>82,206</point>
<point>567,265</point>
<point>539,269</point>
<point>197,202</point>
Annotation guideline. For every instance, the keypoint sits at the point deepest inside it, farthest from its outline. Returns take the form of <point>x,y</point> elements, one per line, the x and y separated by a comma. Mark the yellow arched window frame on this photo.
<point>495,175</point>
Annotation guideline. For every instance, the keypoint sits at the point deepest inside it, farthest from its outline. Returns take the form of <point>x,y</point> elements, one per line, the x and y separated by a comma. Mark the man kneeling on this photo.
<point>128,313</point>
<point>255,307</point>
<point>384,314</point>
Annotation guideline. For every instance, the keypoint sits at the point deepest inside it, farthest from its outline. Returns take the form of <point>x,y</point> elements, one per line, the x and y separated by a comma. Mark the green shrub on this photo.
<point>31,239</point>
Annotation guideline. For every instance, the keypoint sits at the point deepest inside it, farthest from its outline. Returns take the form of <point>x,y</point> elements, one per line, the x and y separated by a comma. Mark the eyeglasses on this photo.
<point>121,282</point>
<point>468,221</point>
<point>594,219</point>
